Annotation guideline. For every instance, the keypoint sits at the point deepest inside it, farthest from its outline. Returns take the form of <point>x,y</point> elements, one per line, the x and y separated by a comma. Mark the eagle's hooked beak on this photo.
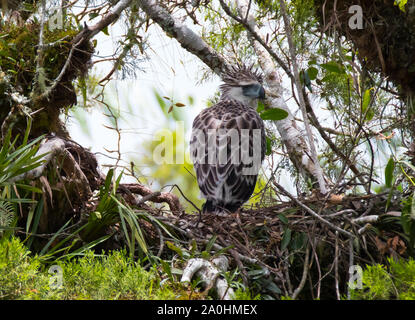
<point>261,93</point>
<point>255,91</point>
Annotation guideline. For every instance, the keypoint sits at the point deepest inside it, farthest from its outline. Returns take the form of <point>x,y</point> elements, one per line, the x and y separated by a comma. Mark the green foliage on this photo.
<point>112,276</point>
<point>389,173</point>
<point>408,221</point>
<point>7,215</point>
<point>401,4</point>
<point>18,271</point>
<point>165,155</point>
<point>16,160</point>
<point>225,35</point>
<point>274,114</point>
<point>397,281</point>
<point>241,294</point>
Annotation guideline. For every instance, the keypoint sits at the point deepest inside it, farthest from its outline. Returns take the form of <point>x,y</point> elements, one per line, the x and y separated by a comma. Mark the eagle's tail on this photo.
<point>211,206</point>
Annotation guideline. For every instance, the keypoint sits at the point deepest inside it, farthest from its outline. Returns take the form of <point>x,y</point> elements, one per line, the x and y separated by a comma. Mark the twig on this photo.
<point>336,265</point>
<point>170,198</point>
<point>312,212</point>
<point>351,262</point>
<point>256,36</point>
<point>187,199</point>
<point>318,171</point>
<point>305,273</point>
<point>148,197</point>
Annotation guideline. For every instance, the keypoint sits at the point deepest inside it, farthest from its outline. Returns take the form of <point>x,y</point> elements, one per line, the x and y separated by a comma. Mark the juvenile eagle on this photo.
<point>228,142</point>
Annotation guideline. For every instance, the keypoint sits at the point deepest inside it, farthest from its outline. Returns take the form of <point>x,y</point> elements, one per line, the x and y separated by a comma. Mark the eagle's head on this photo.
<point>242,83</point>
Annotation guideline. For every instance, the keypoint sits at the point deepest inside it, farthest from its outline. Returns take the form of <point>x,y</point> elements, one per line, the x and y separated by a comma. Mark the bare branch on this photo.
<point>318,171</point>
<point>305,273</point>
<point>171,199</point>
<point>312,212</point>
<point>185,36</point>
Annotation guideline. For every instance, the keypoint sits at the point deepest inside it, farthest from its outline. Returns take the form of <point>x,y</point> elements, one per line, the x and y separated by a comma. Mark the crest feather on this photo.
<point>233,75</point>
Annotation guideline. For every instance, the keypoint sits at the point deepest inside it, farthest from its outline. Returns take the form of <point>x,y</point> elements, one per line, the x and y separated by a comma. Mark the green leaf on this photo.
<point>370,114</point>
<point>171,246</point>
<point>209,245</point>
<point>269,146</point>
<point>312,73</point>
<point>271,286</point>
<point>105,31</point>
<point>283,218</point>
<point>286,239</point>
<point>332,66</point>
<point>401,4</point>
<point>274,114</point>
<point>161,102</point>
<point>256,273</point>
<point>261,106</point>
<point>390,167</point>
<point>366,100</point>
<point>93,15</point>
<point>46,247</point>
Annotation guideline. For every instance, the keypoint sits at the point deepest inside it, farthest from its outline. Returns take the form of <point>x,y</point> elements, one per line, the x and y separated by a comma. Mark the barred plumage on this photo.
<point>228,142</point>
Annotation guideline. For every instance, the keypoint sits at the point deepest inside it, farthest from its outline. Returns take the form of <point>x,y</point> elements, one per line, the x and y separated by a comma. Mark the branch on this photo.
<point>250,26</point>
<point>84,36</point>
<point>189,40</point>
<point>209,273</point>
<point>171,199</point>
<point>305,273</point>
<point>312,212</point>
<point>318,170</point>
<point>109,18</point>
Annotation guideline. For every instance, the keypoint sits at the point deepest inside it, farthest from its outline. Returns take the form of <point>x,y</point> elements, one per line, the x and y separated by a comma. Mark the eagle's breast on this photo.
<point>227,148</point>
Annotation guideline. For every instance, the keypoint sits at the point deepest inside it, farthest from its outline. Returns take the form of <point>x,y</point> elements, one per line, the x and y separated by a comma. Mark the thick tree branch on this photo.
<point>158,197</point>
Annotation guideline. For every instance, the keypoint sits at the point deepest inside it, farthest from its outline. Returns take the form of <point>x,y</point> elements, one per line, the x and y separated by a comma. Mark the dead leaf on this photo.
<point>336,198</point>
<point>382,246</point>
<point>46,186</point>
<point>396,244</point>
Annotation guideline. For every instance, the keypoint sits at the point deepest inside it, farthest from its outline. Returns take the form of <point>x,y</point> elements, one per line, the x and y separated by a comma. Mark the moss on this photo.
<point>18,52</point>
<point>396,281</point>
<point>18,61</point>
<point>112,276</point>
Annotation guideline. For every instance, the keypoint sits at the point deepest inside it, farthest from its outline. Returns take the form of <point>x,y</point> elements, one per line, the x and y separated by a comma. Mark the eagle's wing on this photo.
<point>223,174</point>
